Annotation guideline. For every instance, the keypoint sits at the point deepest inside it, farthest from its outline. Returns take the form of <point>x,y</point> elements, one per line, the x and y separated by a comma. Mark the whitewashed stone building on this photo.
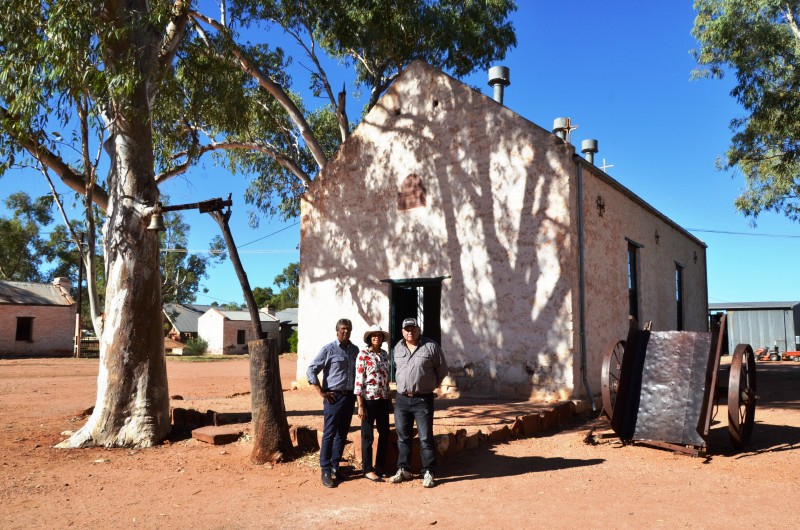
<point>228,332</point>
<point>521,257</point>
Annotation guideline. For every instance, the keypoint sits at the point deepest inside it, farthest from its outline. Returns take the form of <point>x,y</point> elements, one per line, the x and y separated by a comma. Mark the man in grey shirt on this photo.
<point>337,362</point>
<point>420,367</point>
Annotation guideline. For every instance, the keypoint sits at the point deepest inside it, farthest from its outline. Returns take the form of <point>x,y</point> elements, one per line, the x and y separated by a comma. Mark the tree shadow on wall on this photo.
<point>503,298</point>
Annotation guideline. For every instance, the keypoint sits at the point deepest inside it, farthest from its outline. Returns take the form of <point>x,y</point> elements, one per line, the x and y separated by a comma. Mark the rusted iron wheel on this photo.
<point>609,376</point>
<point>742,396</point>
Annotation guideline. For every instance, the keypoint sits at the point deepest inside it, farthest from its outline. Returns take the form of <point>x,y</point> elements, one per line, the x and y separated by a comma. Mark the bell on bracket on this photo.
<point>156,221</point>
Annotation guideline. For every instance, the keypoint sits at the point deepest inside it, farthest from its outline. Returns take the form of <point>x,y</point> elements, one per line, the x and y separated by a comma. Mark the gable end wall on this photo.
<point>496,219</point>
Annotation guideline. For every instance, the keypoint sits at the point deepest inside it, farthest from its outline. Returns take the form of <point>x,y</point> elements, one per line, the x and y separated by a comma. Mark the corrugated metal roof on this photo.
<point>184,316</point>
<point>245,315</point>
<point>200,308</point>
<point>287,316</point>
<point>28,293</point>
<point>751,305</point>
<point>234,315</point>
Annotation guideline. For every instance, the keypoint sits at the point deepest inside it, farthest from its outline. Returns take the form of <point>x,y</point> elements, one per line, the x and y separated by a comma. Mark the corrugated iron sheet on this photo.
<point>762,328</point>
<point>184,316</point>
<point>245,315</point>
<point>28,293</point>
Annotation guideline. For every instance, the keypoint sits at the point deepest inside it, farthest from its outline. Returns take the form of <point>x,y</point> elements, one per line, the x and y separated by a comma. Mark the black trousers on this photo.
<point>407,410</point>
<point>376,412</point>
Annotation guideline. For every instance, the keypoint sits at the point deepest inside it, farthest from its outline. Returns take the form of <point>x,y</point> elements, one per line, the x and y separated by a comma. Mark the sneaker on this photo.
<point>428,481</point>
<point>327,480</point>
<point>400,476</point>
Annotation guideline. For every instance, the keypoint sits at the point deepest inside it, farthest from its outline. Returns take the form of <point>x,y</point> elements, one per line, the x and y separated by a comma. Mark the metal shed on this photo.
<point>761,324</point>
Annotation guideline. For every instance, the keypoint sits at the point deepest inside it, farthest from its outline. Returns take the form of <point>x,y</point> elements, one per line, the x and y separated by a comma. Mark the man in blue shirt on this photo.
<point>337,362</point>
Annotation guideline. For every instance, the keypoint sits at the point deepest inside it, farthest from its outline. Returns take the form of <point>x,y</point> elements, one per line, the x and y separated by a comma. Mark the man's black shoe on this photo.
<point>327,480</point>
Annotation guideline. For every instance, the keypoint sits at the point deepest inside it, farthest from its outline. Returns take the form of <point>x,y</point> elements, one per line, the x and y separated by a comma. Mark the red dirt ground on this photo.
<point>553,481</point>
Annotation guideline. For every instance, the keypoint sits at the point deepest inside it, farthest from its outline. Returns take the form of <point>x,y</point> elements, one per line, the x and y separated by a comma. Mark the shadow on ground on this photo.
<point>485,463</point>
<point>766,439</point>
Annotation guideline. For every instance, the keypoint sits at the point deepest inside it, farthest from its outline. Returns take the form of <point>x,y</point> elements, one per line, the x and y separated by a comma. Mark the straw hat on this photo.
<point>373,330</point>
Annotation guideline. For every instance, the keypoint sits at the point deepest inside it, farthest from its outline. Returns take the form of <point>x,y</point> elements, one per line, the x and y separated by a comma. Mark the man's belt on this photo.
<point>417,394</point>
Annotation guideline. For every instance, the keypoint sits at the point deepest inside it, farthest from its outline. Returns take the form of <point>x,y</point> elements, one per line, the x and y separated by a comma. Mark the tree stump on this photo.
<point>271,440</point>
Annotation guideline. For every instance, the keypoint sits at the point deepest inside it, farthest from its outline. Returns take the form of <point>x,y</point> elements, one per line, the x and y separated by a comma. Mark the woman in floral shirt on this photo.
<point>374,404</point>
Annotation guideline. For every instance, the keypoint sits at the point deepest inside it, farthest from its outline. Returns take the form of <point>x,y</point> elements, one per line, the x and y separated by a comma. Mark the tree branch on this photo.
<point>173,34</point>
<point>792,23</point>
<point>47,158</point>
<point>287,163</point>
<point>87,259</point>
<point>274,89</point>
<point>337,103</point>
<point>378,90</point>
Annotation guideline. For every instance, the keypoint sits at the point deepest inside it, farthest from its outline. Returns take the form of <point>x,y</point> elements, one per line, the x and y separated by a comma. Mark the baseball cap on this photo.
<point>410,322</point>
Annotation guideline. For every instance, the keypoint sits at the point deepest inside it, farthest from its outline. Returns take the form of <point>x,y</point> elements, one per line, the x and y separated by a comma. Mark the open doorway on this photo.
<point>419,298</point>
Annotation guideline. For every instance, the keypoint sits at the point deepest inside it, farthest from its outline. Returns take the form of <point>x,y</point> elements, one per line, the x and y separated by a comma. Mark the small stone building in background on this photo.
<point>36,319</point>
<point>228,332</point>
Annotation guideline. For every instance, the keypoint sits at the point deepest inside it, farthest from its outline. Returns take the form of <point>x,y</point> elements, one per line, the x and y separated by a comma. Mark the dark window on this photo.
<point>240,336</point>
<point>25,329</point>
<point>633,280</point>
<point>679,296</point>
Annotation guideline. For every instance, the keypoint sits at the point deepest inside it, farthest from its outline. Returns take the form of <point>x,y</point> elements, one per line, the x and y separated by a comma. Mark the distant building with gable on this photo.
<point>182,320</point>
<point>36,319</point>
<point>228,332</point>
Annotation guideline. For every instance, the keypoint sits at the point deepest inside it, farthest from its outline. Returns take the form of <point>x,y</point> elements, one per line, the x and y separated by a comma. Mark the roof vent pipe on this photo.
<point>589,148</point>
<point>562,127</point>
<point>499,78</point>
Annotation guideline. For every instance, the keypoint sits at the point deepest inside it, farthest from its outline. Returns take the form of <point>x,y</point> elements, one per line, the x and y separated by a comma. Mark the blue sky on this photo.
<point>621,71</point>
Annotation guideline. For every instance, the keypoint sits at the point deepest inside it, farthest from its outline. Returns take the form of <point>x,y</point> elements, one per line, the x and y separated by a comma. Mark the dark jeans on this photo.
<point>376,411</point>
<point>337,417</point>
<point>407,410</point>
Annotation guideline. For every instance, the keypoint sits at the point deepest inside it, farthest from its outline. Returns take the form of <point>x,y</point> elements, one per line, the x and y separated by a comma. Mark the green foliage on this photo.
<point>288,296</point>
<point>289,282</point>
<point>22,249</point>
<point>195,346</point>
<point>293,338</point>
<point>380,39</point>
<point>376,40</point>
<point>263,296</point>
<point>758,41</point>
<point>18,259</point>
<point>57,58</point>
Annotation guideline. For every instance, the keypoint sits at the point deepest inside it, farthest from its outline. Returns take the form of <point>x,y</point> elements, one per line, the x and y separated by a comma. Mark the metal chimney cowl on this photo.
<point>563,127</point>
<point>589,148</point>
<point>499,78</point>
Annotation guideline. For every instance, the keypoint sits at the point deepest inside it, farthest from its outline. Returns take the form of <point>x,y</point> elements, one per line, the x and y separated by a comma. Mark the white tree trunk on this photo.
<point>132,407</point>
